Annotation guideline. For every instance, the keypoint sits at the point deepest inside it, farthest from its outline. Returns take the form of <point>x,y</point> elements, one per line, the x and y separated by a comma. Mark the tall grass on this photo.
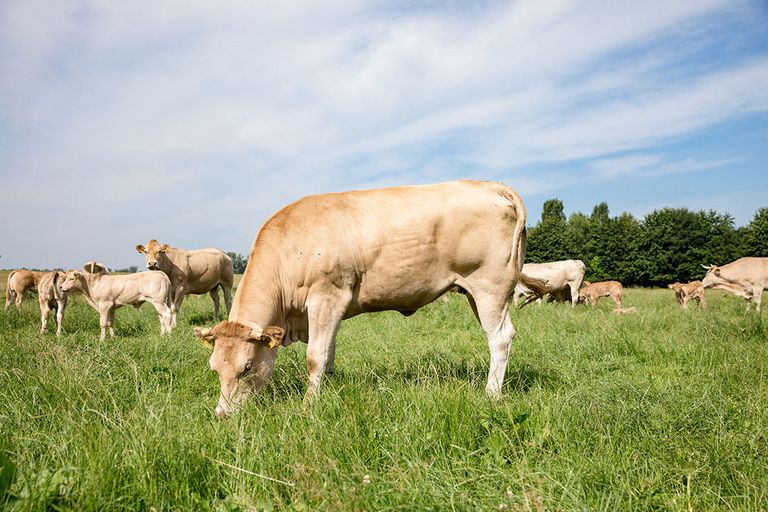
<point>664,409</point>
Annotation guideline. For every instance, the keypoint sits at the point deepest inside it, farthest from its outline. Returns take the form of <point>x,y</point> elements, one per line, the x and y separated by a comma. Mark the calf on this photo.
<point>685,292</point>
<point>105,293</point>
<point>19,282</point>
<point>591,293</point>
<point>51,298</point>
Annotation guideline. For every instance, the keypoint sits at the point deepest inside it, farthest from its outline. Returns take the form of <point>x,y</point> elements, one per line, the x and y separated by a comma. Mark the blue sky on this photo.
<point>192,121</point>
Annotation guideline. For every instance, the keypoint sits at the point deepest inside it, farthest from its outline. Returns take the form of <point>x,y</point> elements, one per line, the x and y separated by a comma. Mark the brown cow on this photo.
<point>192,272</point>
<point>19,282</point>
<point>591,293</point>
<point>745,277</point>
<point>329,257</point>
<point>685,292</point>
<point>51,298</point>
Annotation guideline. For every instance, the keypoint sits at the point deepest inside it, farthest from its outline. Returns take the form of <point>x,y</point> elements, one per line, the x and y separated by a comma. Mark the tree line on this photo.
<point>667,245</point>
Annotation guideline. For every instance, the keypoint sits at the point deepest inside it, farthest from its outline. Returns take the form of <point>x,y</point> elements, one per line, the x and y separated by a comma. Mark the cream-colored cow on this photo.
<point>192,272</point>
<point>105,293</point>
<point>591,293</point>
<point>745,277</point>
<point>329,257</point>
<point>19,282</point>
<point>685,292</point>
<point>51,298</point>
<point>564,278</point>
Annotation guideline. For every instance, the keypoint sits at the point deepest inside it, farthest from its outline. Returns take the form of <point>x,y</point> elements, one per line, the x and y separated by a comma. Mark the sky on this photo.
<point>193,121</point>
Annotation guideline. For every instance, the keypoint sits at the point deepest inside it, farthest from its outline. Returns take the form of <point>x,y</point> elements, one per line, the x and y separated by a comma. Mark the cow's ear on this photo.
<point>206,335</point>
<point>94,267</point>
<point>716,271</point>
<point>164,247</point>
<point>141,249</point>
<point>272,336</point>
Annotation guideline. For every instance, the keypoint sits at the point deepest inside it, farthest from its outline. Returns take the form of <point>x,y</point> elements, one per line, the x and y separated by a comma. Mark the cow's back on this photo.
<point>200,270</point>
<point>749,270</point>
<point>396,248</point>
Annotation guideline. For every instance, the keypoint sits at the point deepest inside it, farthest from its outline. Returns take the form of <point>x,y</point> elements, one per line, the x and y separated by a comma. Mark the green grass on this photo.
<point>660,410</point>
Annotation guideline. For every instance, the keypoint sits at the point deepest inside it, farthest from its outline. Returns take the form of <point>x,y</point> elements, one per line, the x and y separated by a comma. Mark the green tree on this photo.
<point>756,235</point>
<point>546,240</point>
<point>239,262</point>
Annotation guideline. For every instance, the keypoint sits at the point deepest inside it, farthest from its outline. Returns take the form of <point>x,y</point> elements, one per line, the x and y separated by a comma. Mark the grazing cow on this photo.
<point>563,277</point>
<point>329,257</point>
<point>19,282</point>
<point>685,292</point>
<point>51,298</point>
<point>192,272</point>
<point>745,277</point>
<point>591,293</point>
<point>105,293</point>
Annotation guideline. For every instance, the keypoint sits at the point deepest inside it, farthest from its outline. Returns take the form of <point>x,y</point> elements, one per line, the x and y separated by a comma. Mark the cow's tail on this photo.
<point>9,294</point>
<point>58,293</point>
<point>519,243</point>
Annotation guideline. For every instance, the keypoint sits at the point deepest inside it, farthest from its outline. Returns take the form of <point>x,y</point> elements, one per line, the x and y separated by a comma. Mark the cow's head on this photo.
<point>243,356</point>
<point>154,251</point>
<point>75,280</point>
<point>713,276</point>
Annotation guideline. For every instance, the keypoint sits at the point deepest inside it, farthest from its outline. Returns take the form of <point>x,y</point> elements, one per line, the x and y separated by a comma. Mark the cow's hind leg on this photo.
<point>44,310</point>
<point>757,297</point>
<point>62,304</point>
<point>214,293</point>
<point>493,315</point>
<point>227,297</point>
<point>111,323</point>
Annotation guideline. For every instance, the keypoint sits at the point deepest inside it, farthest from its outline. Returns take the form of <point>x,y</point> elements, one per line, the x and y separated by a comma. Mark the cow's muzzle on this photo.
<point>153,266</point>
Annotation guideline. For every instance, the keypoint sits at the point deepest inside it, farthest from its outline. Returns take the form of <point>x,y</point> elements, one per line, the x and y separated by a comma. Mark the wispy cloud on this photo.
<point>196,120</point>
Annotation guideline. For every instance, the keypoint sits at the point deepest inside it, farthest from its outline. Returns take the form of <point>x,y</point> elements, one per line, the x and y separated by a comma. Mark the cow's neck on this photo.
<point>258,299</point>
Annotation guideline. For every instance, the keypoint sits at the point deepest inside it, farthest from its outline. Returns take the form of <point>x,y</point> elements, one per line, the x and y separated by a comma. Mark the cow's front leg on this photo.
<point>757,297</point>
<point>111,322</point>
<point>103,322</point>
<point>324,318</point>
<point>178,298</point>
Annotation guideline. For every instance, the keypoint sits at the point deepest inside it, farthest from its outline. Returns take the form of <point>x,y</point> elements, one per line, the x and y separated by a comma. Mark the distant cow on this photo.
<point>329,257</point>
<point>745,277</point>
<point>591,293</point>
<point>685,292</point>
<point>19,282</point>
<point>192,272</point>
<point>105,293</point>
<point>51,298</point>
<point>562,277</point>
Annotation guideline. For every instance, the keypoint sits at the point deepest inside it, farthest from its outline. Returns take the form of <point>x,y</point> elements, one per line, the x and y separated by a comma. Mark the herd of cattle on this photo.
<point>329,257</point>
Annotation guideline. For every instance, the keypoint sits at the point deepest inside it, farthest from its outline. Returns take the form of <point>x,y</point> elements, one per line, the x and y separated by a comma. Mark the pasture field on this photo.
<point>661,410</point>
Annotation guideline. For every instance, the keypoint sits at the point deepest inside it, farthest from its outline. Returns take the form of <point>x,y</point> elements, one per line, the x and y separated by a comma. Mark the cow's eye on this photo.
<point>248,367</point>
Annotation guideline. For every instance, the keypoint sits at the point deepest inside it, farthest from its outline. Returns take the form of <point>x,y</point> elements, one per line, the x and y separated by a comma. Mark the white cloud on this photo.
<point>221,113</point>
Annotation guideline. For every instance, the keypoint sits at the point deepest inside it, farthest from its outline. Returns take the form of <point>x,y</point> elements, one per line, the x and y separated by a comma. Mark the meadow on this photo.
<point>664,409</point>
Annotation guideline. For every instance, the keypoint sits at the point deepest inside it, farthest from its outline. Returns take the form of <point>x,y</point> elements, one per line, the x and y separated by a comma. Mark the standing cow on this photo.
<point>105,293</point>
<point>192,272</point>
<point>329,257</point>
<point>19,282</point>
<point>745,277</point>
<point>592,292</point>
<point>685,292</point>
<point>563,277</point>
<point>51,298</point>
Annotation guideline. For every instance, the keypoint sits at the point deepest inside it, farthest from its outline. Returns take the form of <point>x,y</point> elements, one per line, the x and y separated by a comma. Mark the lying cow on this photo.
<point>19,282</point>
<point>685,292</point>
<point>105,293</point>
<point>745,277</point>
<point>591,293</point>
<point>192,272</point>
<point>51,298</point>
<point>562,277</point>
<point>329,257</point>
